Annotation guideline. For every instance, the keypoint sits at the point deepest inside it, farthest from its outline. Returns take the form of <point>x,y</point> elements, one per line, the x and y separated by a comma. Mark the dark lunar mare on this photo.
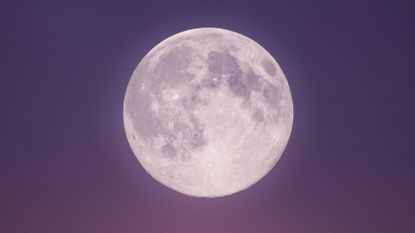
<point>238,87</point>
<point>272,94</point>
<point>168,150</point>
<point>253,80</point>
<point>242,84</point>
<point>222,62</point>
<point>269,67</point>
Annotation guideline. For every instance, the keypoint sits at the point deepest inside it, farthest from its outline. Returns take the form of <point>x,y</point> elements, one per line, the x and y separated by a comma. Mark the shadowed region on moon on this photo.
<point>208,112</point>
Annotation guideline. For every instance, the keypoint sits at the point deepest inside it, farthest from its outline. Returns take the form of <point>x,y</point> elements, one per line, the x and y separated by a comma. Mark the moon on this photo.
<point>208,112</point>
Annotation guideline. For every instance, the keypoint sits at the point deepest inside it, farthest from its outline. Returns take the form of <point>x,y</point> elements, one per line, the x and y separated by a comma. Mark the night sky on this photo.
<point>66,166</point>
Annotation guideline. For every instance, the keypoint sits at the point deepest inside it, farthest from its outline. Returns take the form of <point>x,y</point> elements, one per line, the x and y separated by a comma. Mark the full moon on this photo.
<point>208,112</point>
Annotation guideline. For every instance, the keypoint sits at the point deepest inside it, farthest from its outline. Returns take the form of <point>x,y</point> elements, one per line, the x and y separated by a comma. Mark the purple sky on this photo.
<point>66,166</point>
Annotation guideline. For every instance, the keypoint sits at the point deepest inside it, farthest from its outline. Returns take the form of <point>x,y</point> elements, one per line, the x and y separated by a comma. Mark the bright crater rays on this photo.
<point>208,112</point>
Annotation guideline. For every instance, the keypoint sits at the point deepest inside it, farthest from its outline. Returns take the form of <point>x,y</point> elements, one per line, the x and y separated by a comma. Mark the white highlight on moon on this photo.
<point>208,112</point>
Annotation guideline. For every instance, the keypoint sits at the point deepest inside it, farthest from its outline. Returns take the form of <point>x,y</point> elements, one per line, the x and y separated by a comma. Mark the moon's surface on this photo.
<point>208,112</point>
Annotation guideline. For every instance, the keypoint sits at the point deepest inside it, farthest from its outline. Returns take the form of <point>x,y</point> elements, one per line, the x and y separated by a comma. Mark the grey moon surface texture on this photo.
<point>208,112</point>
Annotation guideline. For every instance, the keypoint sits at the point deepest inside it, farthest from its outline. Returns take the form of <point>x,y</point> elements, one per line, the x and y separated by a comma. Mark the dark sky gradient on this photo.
<point>66,166</point>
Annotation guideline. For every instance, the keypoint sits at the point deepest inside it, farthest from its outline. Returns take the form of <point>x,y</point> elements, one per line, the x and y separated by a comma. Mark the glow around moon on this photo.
<point>208,112</point>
